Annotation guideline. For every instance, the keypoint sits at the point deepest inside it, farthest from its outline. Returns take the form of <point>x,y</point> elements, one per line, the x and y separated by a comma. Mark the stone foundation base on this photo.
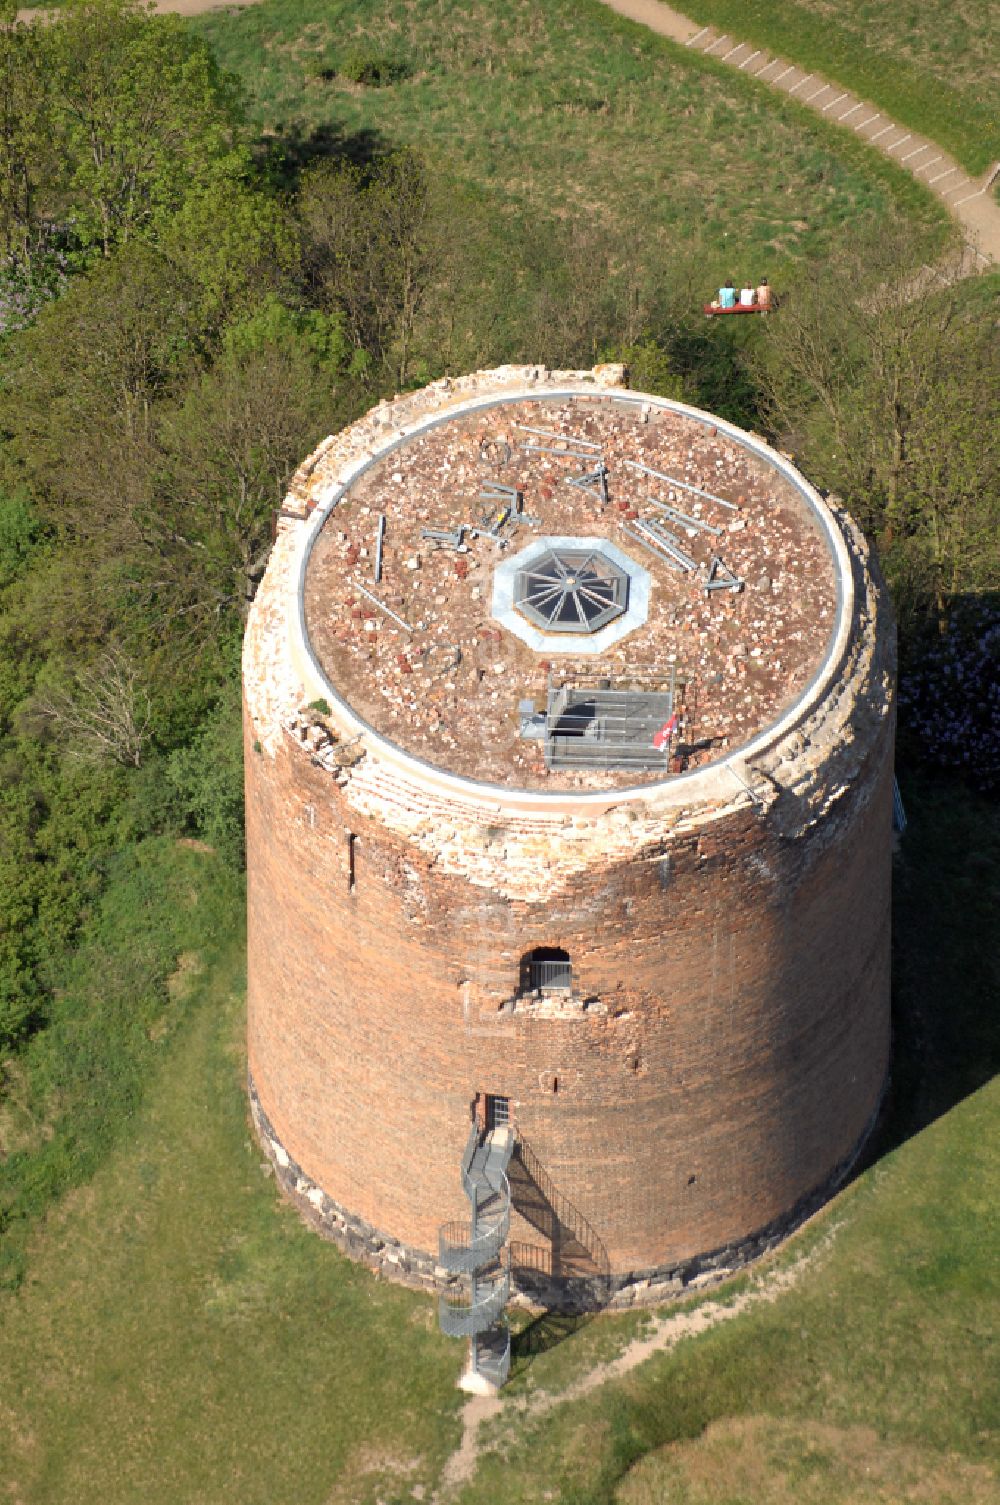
<point>386,1256</point>
<point>380,1252</point>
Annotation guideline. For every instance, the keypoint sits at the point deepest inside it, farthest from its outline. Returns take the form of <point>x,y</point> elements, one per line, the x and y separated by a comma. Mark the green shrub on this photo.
<point>376,70</point>
<point>20,535</point>
<point>650,367</point>
<point>206,779</point>
<point>319,67</point>
<point>19,1007</point>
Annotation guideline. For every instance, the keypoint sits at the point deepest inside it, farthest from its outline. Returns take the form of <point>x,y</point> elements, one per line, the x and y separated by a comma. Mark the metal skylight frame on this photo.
<point>567,590</point>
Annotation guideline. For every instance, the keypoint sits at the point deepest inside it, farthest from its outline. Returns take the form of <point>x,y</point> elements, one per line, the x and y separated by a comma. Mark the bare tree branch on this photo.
<point>103,713</point>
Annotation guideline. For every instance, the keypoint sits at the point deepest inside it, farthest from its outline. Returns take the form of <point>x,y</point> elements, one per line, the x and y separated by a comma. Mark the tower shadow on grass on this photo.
<point>946,940</point>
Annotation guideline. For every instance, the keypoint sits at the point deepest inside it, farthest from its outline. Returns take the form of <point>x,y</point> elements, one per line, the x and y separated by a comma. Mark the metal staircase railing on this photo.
<point>462,1320</point>
<point>468,1155</point>
<point>476,1252</point>
<point>460,1252</point>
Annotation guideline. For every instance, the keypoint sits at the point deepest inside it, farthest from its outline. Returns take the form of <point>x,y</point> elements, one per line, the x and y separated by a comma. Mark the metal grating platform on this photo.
<point>605,728</point>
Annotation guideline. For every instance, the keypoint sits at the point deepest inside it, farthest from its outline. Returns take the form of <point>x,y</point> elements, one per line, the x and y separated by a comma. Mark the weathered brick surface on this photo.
<point>731,962</point>
<point>744,1044</point>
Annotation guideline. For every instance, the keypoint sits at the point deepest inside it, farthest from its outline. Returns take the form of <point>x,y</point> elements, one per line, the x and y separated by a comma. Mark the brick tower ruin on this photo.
<point>569,748</point>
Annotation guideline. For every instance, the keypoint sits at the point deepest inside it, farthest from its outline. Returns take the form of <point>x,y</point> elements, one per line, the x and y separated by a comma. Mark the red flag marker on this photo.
<point>665,733</point>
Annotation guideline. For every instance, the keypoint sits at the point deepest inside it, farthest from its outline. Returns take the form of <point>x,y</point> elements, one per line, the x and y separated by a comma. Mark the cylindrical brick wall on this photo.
<point>730,1038</point>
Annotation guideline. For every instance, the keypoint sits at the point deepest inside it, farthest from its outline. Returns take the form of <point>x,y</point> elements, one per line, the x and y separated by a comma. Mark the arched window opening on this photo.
<point>546,969</point>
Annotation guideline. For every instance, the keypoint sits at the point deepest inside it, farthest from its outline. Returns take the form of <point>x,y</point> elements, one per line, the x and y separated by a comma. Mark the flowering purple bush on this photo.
<point>949,697</point>
<point>29,282</point>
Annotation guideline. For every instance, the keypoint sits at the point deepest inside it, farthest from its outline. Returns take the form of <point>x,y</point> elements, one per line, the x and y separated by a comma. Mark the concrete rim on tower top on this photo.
<point>691,787</point>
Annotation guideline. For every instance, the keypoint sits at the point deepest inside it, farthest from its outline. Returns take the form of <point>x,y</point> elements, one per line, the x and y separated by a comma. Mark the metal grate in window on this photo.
<point>497,1112</point>
<point>553,976</point>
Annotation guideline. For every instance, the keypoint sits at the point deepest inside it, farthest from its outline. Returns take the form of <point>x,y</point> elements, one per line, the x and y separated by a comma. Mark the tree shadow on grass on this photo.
<point>293,147</point>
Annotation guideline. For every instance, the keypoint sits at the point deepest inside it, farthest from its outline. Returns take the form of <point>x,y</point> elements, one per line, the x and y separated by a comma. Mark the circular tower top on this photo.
<point>558,587</point>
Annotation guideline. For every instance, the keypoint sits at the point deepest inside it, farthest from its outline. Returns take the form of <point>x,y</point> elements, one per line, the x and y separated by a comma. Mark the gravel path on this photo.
<point>968,200</point>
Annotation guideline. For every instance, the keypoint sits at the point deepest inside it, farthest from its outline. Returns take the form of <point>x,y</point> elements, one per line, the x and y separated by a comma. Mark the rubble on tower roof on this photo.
<point>419,654</point>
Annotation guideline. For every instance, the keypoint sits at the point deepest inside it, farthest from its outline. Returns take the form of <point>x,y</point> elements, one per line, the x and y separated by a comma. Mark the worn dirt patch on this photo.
<point>668,1329</point>
<point>183,977</point>
<point>19,1126</point>
<point>371,1466</point>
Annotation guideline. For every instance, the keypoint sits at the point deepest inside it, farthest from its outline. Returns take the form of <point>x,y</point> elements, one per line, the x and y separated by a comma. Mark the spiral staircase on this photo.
<point>475,1251</point>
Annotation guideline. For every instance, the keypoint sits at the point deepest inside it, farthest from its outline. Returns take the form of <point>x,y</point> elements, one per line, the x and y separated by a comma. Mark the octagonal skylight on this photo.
<point>565,594</point>
<point>571,590</point>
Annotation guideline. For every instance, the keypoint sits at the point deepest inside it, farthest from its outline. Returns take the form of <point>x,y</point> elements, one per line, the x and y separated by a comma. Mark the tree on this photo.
<point>103,712</point>
<point>229,448</point>
<point>79,388</point>
<point>235,246</point>
<point>26,154</point>
<point>884,376</point>
<point>142,114</point>
<point>376,241</point>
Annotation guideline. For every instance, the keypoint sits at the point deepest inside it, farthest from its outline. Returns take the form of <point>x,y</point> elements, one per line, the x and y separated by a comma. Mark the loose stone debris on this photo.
<point>463,496</point>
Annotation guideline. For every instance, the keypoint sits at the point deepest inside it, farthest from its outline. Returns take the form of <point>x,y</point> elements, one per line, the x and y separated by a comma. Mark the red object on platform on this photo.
<point>665,733</point>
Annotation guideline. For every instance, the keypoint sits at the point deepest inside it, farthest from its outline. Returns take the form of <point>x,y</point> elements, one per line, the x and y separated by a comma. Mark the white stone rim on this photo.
<point>698,785</point>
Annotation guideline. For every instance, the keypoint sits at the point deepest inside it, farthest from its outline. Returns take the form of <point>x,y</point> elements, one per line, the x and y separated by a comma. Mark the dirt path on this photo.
<point>667,1331</point>
<point>968,200</point>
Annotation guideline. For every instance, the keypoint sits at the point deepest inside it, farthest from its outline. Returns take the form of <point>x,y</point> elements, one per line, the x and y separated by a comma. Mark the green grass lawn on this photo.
<point>883,1354</point>
<point>558,108</point>
<point>932,66</point>
<point>179,1335</point>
